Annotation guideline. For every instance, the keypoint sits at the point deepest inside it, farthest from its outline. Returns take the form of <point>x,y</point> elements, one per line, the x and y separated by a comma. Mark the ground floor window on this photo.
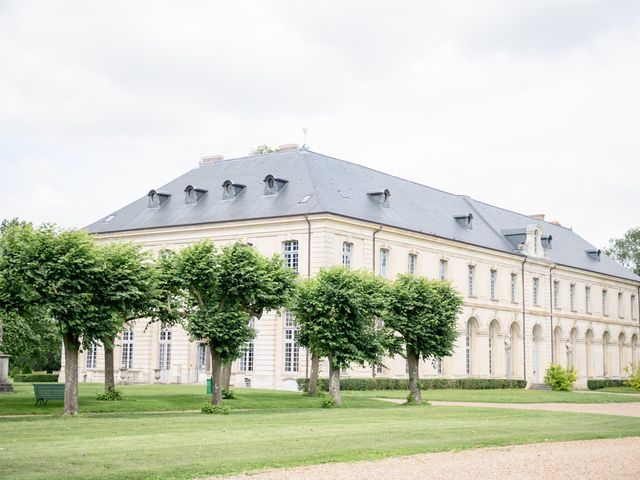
<point>92,355</point>
<point>127,349</point>
<point>291,348</point>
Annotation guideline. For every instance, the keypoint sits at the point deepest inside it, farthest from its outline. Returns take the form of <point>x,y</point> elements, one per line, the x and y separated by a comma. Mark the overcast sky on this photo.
<point>529,105</point>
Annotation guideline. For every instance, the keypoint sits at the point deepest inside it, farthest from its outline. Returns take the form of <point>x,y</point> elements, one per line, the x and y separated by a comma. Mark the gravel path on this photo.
<point>615,459</point>
<point>624,409</point>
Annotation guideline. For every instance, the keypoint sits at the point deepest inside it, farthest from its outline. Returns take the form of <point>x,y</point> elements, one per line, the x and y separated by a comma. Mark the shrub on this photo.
<point>14,371</point>
<point>411,400</point>
<point>228,394</point>
<point>383,383</point>
<point>634,375</point>
<point>27,369</point>
<point>208,408</point>
<point>597,384</point>
<point>328,402</point>
<point>560,378</point>
<point>36,377</point>
<point>111,394</point>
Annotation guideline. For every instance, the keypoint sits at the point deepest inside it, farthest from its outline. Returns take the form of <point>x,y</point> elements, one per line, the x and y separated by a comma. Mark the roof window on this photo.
<point>594,254</point>
<point>193,194</point>
<point>231,190</point>
<point>465,220</point>
<point>382,198</point>
<point>273,185</point>
<point>157,199</point>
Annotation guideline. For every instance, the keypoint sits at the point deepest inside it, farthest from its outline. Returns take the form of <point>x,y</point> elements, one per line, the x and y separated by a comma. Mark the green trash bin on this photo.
<point>209,388</point>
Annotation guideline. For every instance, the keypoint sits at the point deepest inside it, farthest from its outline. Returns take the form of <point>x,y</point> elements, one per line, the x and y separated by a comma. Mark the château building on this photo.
<point>535,292</point>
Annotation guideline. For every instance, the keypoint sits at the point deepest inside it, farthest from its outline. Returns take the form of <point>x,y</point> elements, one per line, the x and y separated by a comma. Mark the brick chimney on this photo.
<point>208,159</point>
<point>288,146</point>
<point>537,216</point>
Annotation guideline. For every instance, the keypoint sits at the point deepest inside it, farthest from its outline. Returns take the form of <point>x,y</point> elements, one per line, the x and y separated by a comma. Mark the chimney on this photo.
<point>209,159</point>
<point>287,147</point>
<point>555,222</point>
<point>537,216</point>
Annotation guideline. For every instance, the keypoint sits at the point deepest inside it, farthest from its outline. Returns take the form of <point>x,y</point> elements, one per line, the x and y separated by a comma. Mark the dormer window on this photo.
<point>273,185</point>
<point>546,241</point>
<point>231,190</point>
<point>536,240</point>
<point>382,197</point>
<point>464,220</point>
<point>193,194</point>
<point>594,254</point>
<point>156,199</point>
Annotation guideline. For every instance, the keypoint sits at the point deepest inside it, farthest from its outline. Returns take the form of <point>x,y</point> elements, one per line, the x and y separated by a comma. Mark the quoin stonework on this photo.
<point>535,292</point>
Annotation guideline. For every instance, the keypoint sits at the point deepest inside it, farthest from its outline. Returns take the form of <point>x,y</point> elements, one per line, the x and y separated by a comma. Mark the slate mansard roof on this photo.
<point>342,188</point>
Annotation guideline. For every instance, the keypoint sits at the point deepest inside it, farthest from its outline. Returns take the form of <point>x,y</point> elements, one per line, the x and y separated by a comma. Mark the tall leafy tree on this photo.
<point>127,293</point>
<point>423,312</point>
<point>626,250</point>
<point>225,288</point>
<point>59,271</point>
<point>336,313</point>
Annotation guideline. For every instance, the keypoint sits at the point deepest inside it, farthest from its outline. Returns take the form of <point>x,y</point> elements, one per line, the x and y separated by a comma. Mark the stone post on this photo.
<point>5,386</point>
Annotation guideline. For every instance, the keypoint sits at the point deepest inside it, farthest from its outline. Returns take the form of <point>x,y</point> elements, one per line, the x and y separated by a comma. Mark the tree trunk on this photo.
<point>313,377</point>
<point>412,360</point>
<point>226,375</point>
<point>334,382</point>
<point>109,374</point>
<point>71,347</point>
<point>216,377</point>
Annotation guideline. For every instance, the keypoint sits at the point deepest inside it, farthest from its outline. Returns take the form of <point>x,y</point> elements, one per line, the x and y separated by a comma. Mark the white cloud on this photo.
<point>530,105</point>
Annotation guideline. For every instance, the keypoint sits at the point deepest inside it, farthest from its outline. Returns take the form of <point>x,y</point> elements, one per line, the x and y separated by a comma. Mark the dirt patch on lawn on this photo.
<point>614,459</point>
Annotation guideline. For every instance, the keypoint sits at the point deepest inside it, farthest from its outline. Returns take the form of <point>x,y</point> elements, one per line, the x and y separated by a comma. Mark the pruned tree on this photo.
<point>127,293</point>
<point>59,271</point>
<point>336,313</point>
<point>626,250</point>
<point>262,149</point>
<point>226,288</point>
<point>424,313</point>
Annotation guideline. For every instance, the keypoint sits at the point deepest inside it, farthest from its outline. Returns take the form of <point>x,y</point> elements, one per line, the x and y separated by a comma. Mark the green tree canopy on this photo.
<point>261,149</point>
<point>626,250</point>
<point>336,313</point>
<point>424,313</point>
<point>224,289</point>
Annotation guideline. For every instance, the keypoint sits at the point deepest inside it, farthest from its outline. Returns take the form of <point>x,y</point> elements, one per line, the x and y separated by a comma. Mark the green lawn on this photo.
<point>118,440</point>
<point>186,445</point>
<point>165,398</point>
<point>505,396</point>
<point>620,390</point>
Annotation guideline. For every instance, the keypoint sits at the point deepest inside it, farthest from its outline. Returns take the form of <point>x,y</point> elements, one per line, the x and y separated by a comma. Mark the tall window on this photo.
<point>514,284</point>
<point>633,307</point>
<point>384,261</point>
<point>536,290</point>
<point>468,348</point>
<point>291,348</point>
<point>605,310</point>
<point>493,280</point>
<point>556,294</point>
<point>412,262</point>
<point>92,355</point>
<point>442,273</point>
<point>587,295</point>
<point>439,366</point>
<point>536,240</point>
<point>491,332</point>
<point>572,296</point>
<point>127,349</point>
<point>202,355</point>
<point>290,253</point>
<point>470,276</point>
<point>620,305</point>
<point>347,249</point>
<point>246,360</point>
<point>164,357</point>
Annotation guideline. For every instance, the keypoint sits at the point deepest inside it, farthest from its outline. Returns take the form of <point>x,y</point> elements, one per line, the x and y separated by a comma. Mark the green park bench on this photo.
<point>48,391</point>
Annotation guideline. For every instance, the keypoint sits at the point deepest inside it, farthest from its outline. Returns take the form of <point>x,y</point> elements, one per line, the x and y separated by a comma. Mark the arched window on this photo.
<point>559,358</point>
<point>606,338</point>
<point>494,328</point>
<point>536,353</point>
<point>472,328</point>
<point>589,356</point>
<point>571,349</point>
<point>512,347</point>
<point>536,240</point>
<point>634,351</point>
<point>622,358</point>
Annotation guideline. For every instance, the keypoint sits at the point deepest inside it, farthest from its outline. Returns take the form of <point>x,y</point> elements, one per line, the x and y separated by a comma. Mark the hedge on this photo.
<point>36,377</point>
<point>604,383</point>
<point>382,383</point>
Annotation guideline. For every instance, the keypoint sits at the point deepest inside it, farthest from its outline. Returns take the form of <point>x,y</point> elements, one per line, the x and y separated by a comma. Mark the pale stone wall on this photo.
<point>498,355</point>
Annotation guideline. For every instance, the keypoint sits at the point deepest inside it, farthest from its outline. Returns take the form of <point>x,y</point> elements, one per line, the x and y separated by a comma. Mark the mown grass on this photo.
<point>166,398</point>
<point>620,390</point>
<point>505,396</point>
<point>187,445</point>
